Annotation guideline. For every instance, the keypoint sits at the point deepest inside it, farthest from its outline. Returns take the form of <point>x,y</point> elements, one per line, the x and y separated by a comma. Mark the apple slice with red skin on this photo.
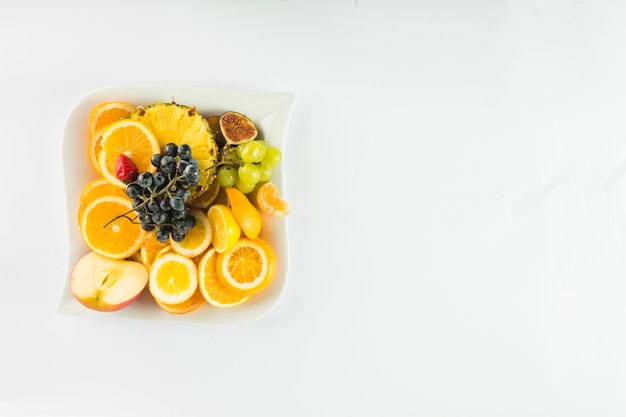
<point>104,284</point>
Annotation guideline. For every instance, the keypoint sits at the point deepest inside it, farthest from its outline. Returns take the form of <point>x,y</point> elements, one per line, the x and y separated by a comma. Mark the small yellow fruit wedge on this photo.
<point>247,216</point>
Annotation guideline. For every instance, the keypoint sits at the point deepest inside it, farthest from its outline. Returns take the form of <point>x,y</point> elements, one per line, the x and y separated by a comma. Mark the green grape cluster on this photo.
<point>245,165</point>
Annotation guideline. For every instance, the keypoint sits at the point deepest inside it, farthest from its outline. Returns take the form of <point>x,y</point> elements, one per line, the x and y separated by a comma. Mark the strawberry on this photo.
<point>125,169</point>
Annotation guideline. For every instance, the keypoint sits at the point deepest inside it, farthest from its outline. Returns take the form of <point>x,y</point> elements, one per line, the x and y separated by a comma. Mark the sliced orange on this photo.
<point>101,116</point>
<point>248,267</point>
<point>116,239</point>
<point>226,230</point>
<point>151,248</point>
<point>173,278</point>
<point>97,188</point>
<point>204,200</point>
<point>195,302</point>
<point>247,216</point>
<point>93,149</point>
<point>198,239</point>
<point>213,290</point>
<point>106,113</point>
<point>132,139</point>
<point>269,201</point>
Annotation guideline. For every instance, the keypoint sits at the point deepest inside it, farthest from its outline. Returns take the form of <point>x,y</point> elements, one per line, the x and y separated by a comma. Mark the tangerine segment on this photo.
<point>132,139</point>
<point>269,201</point>
<point>226,230</point>
<point>117,239</point>
<point>247,216</point>
<point>213,290</point>
<point>106,113</point>
<point>195,302</point>
<point>248,267</point>
<point>173,278</point>
<point>197,239</point>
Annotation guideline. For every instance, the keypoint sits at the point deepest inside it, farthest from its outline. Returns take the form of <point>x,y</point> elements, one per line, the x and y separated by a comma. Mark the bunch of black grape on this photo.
<point>160,198</point>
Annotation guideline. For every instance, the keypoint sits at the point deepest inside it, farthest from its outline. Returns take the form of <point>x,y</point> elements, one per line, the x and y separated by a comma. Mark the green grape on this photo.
<point>226,176</point>
<point>244,187</point>
<point>249,173</point>
<point>266,173</point>
<point>252,151</point>
<point>272,157</point>
<point>231,156</point>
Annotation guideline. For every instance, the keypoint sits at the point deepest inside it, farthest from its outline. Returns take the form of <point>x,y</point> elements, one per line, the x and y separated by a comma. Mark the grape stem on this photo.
<point>227,151</point>
<point>163,191</point>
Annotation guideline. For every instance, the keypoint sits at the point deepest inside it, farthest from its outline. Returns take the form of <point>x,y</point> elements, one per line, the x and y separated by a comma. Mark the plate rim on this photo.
<point>285,102</point>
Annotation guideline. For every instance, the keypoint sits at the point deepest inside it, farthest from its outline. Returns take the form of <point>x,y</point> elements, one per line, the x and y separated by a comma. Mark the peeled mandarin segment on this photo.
<point>226,230</point>
<point>269,201</point>
<point>247,216</point>
<point>249,267</point>
<point>115,239</point>
<point>132,139</point>
<point>173,278</point>
<point>213,290</point>
<point>197,239</point>
<point>106,113</point>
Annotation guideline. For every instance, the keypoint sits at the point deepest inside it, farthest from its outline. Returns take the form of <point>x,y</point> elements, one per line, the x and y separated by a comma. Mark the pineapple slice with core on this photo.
<point>172,122</point>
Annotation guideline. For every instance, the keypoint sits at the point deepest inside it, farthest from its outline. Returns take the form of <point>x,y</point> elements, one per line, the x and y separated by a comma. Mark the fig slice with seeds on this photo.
<point>237,128</point>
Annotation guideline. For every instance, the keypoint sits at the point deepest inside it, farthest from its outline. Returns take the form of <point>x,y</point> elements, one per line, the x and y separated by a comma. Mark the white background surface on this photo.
<point>456,172</point>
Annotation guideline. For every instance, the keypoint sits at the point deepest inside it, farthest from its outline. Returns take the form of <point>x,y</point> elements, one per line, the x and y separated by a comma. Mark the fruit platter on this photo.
<point>175,201</point>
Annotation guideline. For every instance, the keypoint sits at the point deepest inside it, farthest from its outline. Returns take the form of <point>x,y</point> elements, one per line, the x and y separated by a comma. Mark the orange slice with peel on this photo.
<point>249,267</point>
<point>97,188</point>
<point>151,248</point>
<point>108,112</point>
<point>226,230</point>
<point>195,302</point>
<point>130,138</point>
<point>198,239</point>
<point>101,116</point>
<point>93,149</point>
<point>247,216</point>
<point>204,200</point>
<point>269,201</point>
<point>173,278</point>
<point>105,229</point>
<point>213,290</point>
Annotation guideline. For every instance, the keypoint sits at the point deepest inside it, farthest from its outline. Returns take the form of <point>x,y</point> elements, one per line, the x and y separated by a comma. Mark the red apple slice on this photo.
<point>104,284</point>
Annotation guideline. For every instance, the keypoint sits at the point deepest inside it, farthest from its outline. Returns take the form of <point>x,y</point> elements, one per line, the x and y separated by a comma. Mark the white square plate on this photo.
<point>269,110</point>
